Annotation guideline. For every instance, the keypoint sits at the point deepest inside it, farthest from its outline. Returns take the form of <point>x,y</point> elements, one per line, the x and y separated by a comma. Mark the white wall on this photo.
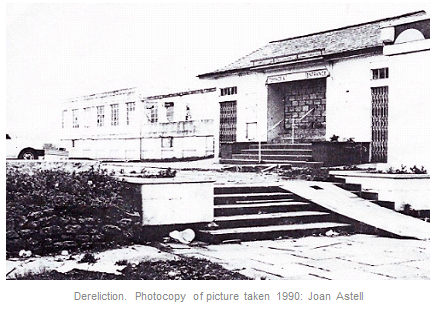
<point>251,102</point>
<point>348,95</point>
<point>410,110</point>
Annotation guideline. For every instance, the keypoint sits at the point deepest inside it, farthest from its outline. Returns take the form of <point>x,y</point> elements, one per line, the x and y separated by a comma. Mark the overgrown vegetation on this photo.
<point>54,209</point>
<point>391,170</point>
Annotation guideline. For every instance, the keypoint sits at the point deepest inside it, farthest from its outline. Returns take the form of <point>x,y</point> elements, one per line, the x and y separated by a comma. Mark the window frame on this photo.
<point>100,116</point>
<point>115,114</point>
<point>380,73</point>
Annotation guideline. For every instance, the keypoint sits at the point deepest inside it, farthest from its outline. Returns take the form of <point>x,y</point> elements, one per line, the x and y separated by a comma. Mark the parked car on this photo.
<point>21,148</point>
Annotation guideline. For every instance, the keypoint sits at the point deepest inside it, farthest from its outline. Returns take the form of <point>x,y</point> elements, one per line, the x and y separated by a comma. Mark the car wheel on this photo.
<point>28,154</point>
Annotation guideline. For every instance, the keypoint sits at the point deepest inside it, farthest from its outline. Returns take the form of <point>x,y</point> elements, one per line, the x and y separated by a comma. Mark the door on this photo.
<point>228,122</point>
<point>379,143</point>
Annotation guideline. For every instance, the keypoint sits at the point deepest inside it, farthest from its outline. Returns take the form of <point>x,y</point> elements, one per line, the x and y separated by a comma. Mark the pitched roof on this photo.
<point>346,39</point>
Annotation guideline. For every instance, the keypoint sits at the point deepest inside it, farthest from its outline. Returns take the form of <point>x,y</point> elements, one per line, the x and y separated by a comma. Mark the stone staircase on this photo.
<point>298,155</point>
<point>357,190</point>
<point>246,212</point>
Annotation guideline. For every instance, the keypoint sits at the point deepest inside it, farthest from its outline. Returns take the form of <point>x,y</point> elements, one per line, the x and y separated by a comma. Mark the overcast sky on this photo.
<point>58,51</point>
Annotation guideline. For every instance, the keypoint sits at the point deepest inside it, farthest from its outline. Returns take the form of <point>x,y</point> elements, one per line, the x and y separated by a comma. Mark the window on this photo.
<point>75,118</point>
<point>188,115</point>
<point>382,73</point>
<point>228,91</point>
<point>169,106</point>
<point>167,142</point>
<point>130,108</point>
<point>87,117</point>
<point>100,116</point>
<point>152,111</point>
<point>64,112</point>
<point>114,114</point>
<point>251,130</point>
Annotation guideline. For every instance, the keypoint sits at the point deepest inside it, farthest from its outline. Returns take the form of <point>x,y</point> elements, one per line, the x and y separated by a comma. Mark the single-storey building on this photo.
<point>367,83</point>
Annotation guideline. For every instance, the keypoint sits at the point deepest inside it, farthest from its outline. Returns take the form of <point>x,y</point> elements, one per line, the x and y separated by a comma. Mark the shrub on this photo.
<point>49,210</point>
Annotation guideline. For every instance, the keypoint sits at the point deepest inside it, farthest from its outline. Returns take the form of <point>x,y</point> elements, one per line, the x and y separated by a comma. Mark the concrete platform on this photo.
<point>356,257</point>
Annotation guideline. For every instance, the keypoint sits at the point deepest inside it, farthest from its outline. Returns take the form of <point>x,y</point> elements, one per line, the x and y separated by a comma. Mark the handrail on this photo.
<point>293,124</point>
<point>274,126</point>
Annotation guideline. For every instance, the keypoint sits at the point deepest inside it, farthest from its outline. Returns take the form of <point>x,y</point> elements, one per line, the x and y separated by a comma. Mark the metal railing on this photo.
<point>293,123</point>
<point>292,132</point>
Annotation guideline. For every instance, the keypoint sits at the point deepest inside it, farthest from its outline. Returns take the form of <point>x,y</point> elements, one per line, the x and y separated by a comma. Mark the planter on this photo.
<point>340,153</point>
<point>403,189</point>
<point>171,201</point>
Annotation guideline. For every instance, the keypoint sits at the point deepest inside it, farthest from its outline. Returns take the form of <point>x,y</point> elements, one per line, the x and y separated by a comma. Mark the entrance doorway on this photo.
<point>379,142</point>
<point>300,103</point>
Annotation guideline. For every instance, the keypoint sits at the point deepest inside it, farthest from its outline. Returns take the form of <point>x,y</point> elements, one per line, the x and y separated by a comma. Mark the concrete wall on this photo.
<point>191,133</point>
<point>349,105</point>
<point>410,109</point>
<point>251,101</point>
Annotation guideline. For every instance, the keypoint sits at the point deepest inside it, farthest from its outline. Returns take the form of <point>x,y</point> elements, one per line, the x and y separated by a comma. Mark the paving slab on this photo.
<point>105,261</point>
<point>354,257</point>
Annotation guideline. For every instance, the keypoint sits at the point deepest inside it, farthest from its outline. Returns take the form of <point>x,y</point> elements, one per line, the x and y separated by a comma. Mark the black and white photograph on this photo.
<point>284,145</point>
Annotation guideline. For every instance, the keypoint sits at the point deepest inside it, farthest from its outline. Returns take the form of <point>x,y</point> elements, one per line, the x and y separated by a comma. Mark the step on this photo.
<point>232,198</point>
<point>276,218</point>
<point>277,151</point>
<point>268,157</point>
<point>246,195</point>
<point>385,204</point>
<point>278,162</point>
<point>350,186</point>
<point>268,232</point>
<point>283,146</point>
<point>275,215</point>
<point>248,189</point>
<point>254,208</point>
<point>368,195</point>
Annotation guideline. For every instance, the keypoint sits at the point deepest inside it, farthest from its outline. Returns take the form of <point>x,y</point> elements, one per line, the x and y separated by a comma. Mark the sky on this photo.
<point>58,51</point>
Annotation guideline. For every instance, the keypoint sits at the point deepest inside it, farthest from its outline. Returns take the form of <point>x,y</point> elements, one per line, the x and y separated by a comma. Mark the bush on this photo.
<point>49,210</point>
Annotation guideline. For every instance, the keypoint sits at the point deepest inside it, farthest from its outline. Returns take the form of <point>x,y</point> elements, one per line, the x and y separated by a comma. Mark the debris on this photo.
<point>25,253</point>
<point>331,233</point>
<point>185,236</point>
<point>269,168</point>
<point>64,252</point>
<point>212,224</point>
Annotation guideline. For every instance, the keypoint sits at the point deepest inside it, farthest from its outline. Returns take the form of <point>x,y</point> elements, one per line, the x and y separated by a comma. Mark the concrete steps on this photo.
<point>296,155</point>
<point>266,212</point>
<point>357,190</point>
<point>274,231</point>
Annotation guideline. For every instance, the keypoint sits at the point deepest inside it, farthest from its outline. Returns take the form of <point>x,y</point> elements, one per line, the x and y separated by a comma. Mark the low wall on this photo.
<point>340,153</point>
<point>175,200</point>
<point>403,189</point>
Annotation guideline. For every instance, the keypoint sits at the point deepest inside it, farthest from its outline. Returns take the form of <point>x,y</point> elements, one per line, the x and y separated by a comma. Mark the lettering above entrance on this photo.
<point>297,76</point>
